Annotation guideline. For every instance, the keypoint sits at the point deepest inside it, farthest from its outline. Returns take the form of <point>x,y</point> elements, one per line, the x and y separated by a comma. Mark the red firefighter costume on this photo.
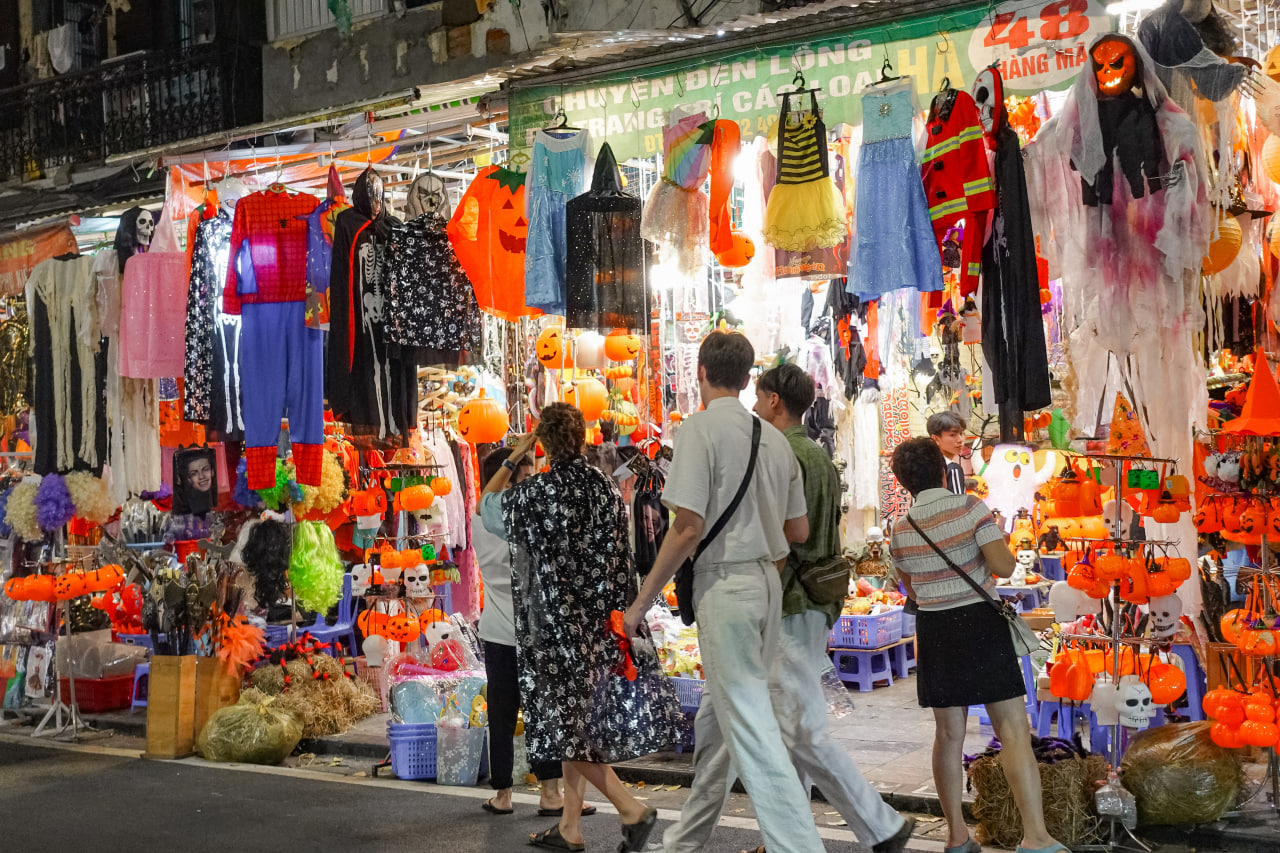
<point>957,179</point>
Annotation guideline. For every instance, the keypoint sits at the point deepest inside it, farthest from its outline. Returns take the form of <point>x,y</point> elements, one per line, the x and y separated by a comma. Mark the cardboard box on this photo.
<point>171,707</point>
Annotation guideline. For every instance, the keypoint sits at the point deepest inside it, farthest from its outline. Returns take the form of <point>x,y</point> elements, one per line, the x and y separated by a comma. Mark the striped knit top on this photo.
<point>960,525</point>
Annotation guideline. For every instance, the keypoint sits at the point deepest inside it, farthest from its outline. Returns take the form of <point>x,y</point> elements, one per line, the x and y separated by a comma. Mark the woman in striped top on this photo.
<point>965,649</point>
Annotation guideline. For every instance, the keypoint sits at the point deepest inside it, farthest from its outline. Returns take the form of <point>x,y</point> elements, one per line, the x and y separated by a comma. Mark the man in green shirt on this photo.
<point>783,395</point>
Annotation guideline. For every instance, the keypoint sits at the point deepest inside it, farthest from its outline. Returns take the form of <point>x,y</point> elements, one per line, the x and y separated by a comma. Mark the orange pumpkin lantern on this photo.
<point>1225,246</point>
<point>1257,642</point>
<point>441,486</point>
<point>1208,518</point>
<point>69,586</point>
<point>1167,683</point>
<point>621,345</point>
<point>371,623</point>
<point>739,254</point>
<point>105,578</point>
<point>1227,737</point>
<point>482,421</point>
<point>402,628</point>
<point>1108,567</point>
<point>413,499</point>
<point>550,349</point>
<point>1165,510</point>
<point>16,588</point>
<point>1233,623</point>
<point>589,396</point>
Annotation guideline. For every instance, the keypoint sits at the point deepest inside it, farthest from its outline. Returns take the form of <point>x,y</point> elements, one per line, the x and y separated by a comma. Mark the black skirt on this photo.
<point>966,657</point>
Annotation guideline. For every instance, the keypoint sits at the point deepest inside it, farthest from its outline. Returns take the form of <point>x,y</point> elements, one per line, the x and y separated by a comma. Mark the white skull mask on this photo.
<point>436,632</point>
<point>145,227</point>
<point>1135,705</point>
<point>360,577</point>
<point>1166,615</point>
<point>417,581</point>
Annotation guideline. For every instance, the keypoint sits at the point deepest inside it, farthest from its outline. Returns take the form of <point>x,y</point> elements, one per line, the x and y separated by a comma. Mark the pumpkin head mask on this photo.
<point>1115,67</point>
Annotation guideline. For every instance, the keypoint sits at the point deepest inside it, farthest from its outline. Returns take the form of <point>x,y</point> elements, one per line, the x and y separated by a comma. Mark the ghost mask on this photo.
<point>417,581</point>
<point>145,227</point>
<point>1105,701</point>
<point>1068,603</point>
<point>1166,615</point>
<point>375,649</point>
<point>360,577</point>
<point>1135,705</point>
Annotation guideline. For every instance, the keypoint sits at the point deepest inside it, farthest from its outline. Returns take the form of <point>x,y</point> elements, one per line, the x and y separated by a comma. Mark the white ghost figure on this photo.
<point>588,351</point>
<point>1104,701</point>
<point>1135,705</point>
<point>417,581</point>
<point>1068,603</point>
<point>1166,615</point>
<point>375,649</point>
<point>1012,479</point>
<point>1023,563</point>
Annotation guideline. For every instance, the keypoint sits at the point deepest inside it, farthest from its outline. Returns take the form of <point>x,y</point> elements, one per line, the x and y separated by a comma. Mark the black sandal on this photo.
<point>553,840</point>
<point>636,835</point>
<point>587,811</point>
<point>488,806</point>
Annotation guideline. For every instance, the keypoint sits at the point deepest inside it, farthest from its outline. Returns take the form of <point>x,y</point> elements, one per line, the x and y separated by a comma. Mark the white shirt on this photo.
<point>497,621</point>
<point>711,453</point>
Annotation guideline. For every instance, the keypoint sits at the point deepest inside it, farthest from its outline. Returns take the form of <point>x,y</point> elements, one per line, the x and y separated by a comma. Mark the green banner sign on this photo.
<point>1037,47</point>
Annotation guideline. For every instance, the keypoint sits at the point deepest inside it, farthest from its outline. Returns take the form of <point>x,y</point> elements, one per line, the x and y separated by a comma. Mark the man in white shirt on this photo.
<point>947,431</point>
<point>737,595</point>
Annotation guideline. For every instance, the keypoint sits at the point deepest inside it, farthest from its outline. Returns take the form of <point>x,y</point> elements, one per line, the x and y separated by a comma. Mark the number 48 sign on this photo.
<point>1039,46</point>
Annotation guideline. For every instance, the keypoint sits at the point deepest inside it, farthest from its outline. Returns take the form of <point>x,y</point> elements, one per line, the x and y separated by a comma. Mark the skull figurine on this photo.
<point>1136,707</point>
<point>417,581</point>
<point>436,632</point>
<point>1166,614</point>
<point>1023,563</point>
<point>145,227</point>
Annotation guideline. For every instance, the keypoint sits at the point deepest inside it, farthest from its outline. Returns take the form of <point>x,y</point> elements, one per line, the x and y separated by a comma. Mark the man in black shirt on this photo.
<point>947,431</point>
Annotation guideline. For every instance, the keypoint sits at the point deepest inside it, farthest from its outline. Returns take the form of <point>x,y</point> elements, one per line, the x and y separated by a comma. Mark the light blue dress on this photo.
<point>557,172</point>
<point>895,245</point>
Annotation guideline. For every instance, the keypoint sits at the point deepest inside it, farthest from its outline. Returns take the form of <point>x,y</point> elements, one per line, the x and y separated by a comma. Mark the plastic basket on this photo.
<point>689,692</point>
<point>413,754</point>
<point>868,632</point>
<point>95,695</point>
<point>908,624</point>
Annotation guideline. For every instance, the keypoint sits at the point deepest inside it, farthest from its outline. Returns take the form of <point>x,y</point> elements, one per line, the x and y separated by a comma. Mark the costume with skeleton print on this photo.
<point>370,382</point>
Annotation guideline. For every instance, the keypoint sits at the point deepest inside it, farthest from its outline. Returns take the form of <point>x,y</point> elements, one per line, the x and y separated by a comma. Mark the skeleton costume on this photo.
<point>370,383</point>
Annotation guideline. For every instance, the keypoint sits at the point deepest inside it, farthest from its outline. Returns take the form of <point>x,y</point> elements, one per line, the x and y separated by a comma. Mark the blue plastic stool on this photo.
<point>1066,714</point>
<point>141,679</point>
<point>863,667</point>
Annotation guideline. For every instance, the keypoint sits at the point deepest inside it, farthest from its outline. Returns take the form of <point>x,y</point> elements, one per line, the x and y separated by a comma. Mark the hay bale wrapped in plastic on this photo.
<point>1179,775</point>
<point>257,730</point>
<point>1068,779</point>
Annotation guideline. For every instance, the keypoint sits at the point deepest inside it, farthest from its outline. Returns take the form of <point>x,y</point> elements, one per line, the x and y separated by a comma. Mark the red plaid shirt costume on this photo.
<point>271,226</point>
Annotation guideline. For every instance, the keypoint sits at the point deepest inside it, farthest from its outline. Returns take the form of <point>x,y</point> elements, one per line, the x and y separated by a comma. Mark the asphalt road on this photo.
<point>55,799</point>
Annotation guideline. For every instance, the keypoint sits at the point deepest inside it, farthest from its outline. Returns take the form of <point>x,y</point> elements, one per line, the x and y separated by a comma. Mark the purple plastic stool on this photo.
<point>863,667</point>
<point>904,659</point>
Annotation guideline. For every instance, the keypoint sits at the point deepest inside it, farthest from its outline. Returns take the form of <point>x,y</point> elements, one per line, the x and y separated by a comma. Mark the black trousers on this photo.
<point>504,703</point>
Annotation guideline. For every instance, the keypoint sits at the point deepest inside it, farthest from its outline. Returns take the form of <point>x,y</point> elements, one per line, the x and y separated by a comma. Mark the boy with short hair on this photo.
<point>947,431</point>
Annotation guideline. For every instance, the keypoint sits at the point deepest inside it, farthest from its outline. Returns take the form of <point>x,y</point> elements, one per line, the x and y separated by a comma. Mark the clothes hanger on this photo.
<point>885,76</point>
<point>560,121</point>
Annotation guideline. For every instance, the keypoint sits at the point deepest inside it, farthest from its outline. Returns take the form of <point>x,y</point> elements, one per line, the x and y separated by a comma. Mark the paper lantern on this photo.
<point>1271,159</point>
<point>1225,247</point>
<point>620,345</point>
<point>550,350</point>
<point>588,351</point>
<point>589,396</point>
<point>482,421</point>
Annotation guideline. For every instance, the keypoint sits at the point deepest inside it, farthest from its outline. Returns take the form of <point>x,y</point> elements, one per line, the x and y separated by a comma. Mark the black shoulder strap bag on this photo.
<point>1025,640</point>
<point>684,576</point>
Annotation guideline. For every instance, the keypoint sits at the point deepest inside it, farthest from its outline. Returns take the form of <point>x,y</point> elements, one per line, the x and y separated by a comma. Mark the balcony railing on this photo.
<point>289,19</point>
<point>127,105</point>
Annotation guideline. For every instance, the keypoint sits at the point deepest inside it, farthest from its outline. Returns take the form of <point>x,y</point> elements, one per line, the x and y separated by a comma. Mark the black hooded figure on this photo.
<point>1013,340</point>
<point>368,382</point>
<point>127,243</point>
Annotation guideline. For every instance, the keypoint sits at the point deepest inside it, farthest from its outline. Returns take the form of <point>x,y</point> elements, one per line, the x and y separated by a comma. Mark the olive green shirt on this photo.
<point>822,496</point>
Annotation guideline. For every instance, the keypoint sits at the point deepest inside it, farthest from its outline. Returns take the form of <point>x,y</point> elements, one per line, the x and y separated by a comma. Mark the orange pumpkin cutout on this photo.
<point>620,345</point>
<point>1115,67</point>
<point>482,421</point>
<point>488,232</point>
<point>550,349</point>
<point>371,623</point>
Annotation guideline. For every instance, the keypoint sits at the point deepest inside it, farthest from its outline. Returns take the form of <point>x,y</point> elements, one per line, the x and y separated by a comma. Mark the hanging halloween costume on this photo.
<point>320,227</point>
<point>280,358</point>
<point>895,246</point>
<point>489,231</point>
<point>557,173</point>
<point>957,179</point>
<point>368,383</point>
<point>606,276</point>
<point>432,304</point>
<point>1013,342</point>
<point>212,372</point>
<point>804,211</point>
<point>676,212</point>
